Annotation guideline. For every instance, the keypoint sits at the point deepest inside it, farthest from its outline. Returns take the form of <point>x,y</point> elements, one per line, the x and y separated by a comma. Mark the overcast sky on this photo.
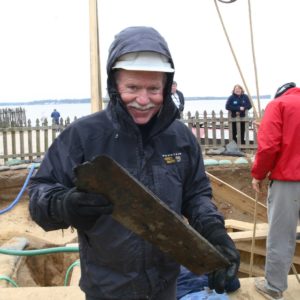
<point>44,51</point>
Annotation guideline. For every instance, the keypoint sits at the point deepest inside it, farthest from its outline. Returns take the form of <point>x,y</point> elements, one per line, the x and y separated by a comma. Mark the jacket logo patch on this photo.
<point>172,158</point>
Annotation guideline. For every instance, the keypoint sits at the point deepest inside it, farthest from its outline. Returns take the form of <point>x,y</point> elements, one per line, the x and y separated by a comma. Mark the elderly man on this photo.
<point>139,130</point>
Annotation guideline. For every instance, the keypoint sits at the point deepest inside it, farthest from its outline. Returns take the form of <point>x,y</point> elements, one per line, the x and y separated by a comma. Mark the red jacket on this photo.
<point>278,139</point>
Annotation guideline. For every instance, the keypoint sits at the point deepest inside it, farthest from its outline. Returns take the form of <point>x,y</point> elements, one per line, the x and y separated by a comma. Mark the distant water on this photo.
<point>39,111</point>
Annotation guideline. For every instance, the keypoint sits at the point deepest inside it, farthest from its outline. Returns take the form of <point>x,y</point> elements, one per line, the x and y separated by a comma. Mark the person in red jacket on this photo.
<point>278,158</point>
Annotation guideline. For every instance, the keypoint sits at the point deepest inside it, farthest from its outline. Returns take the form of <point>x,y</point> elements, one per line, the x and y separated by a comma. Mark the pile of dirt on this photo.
<point>36,270</point>
<point>240,178</point>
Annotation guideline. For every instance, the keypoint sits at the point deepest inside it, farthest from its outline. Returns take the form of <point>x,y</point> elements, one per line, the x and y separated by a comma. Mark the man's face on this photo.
<point>141,93</point>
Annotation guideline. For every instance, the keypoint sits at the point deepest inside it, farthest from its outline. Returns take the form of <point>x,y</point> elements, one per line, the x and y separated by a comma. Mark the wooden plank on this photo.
<point>22,143</point>
<point>241,225</point>
<point>247,235</point>
<point>138,209</point>
<point>259,249</point>
<point>224,192</point>
<point>30,140</point>
<point>246,226</point>
<point>257,270</point>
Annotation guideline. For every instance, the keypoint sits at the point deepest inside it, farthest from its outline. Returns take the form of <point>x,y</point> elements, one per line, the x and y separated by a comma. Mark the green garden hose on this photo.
<point>12,282</point>
<point>38,251</point>
<point>75,263</point>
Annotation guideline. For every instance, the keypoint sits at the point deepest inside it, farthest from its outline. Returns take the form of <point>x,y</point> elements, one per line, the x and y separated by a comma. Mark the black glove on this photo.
<point>79,209</point>
<point>217,235</point>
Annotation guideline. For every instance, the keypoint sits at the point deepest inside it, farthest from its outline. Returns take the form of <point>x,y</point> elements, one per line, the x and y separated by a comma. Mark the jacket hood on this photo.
<point>136,39</point>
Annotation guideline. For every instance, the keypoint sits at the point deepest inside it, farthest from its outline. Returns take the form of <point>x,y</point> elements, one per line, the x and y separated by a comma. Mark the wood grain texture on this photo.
<point>138,209</point>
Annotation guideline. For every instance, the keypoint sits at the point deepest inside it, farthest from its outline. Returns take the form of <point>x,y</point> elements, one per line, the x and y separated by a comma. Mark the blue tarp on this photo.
<point>192,287</point>
<point>205,295</point>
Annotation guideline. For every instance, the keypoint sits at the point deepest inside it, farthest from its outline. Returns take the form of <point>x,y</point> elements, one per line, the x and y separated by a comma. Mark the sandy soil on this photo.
<point>41,270</point>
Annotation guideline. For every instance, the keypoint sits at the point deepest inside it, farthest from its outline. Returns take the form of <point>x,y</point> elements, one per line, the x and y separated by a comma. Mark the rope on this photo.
<point>229,1</point>
<point>259,115</point>
<point>253,235</point>
<point>256,115</point>
<point>254,60</point>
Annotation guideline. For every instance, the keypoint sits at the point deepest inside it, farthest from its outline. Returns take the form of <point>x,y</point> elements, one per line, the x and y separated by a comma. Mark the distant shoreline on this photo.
<point>87,100</point>
<point>47,102</point>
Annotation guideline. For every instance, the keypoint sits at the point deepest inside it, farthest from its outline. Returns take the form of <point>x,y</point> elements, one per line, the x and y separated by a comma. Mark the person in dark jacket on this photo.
<point>238,103</point>
<point>140,132</point>
<point>178,98</point>
<point>55,115</point>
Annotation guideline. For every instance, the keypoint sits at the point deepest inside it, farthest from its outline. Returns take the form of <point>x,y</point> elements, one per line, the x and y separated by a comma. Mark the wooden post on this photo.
<point>30,140</point>
<point>96,97</point>
<point>38,138</point>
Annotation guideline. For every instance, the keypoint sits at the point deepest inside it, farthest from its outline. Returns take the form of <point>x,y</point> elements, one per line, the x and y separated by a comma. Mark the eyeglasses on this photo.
<point>281,90</point>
